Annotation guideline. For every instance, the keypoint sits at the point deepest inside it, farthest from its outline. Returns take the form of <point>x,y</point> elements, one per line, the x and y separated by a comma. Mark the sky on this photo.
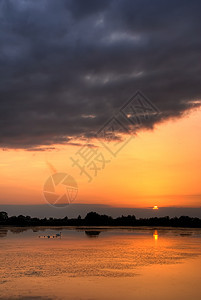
<point>69,71</point>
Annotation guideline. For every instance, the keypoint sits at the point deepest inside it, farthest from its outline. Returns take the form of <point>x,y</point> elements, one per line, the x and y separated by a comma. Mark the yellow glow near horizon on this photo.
<point>155,207</point>
<point>162,166</point>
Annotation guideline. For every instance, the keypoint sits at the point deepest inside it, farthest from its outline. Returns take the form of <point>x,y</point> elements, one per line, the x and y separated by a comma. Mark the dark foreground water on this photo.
<point>104,264</point>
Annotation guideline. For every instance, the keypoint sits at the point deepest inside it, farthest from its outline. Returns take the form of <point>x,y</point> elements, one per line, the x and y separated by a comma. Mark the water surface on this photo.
<point>101,263</point>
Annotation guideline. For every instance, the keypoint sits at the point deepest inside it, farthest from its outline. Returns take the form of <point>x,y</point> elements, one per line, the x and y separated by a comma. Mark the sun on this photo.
<point>155,207</point>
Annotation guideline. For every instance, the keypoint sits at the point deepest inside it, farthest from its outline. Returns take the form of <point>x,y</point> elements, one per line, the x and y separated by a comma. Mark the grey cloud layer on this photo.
<point>62,61</point>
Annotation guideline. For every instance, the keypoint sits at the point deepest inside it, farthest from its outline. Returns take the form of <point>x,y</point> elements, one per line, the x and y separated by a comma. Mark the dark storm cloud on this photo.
<point>67,66</point>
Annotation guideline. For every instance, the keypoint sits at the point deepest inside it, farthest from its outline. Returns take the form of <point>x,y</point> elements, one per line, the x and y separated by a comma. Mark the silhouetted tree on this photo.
<point>95,219</point>
<point>3,216</point>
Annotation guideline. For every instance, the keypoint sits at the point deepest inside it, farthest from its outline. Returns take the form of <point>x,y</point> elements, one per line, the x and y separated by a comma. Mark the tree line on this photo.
<point>95,219</point>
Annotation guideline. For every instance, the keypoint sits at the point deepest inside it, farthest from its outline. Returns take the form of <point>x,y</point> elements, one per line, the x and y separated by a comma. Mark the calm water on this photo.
<point>101,264</point>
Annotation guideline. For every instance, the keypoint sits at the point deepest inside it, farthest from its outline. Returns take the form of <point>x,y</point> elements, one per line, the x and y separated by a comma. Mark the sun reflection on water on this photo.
<point>155,235</point>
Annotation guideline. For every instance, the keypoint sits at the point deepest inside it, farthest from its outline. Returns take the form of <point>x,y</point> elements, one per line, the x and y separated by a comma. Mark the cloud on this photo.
<point>62,61</point>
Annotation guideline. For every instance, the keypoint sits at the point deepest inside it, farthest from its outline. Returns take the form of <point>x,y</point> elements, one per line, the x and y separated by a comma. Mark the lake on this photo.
<point>100,263</point>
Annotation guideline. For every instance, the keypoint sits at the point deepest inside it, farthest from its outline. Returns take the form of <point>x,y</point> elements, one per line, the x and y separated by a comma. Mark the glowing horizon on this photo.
<point>159,167</point>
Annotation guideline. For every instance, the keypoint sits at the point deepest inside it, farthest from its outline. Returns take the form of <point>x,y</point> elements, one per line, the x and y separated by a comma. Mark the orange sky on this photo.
<point>160,167</point>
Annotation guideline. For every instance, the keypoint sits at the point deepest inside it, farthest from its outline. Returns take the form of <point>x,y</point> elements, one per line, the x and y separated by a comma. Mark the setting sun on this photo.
<point>155,207</point>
